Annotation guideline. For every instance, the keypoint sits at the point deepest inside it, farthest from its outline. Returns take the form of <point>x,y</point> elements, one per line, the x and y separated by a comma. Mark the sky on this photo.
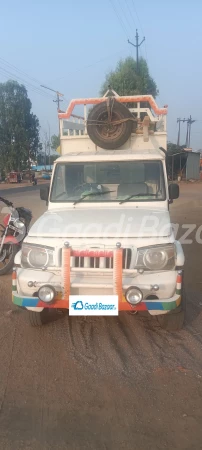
<point>71,45</point>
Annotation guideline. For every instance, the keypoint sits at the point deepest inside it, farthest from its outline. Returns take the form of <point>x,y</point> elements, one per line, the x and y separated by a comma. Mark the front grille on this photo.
<point>100,262</point>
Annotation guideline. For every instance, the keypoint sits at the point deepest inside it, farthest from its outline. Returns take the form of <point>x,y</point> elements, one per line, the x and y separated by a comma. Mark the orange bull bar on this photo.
<point>122,99</point>
<point>117,256</point>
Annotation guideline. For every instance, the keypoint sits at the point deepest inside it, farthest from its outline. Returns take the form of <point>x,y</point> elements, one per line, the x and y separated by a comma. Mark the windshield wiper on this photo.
<point>80,199</point>
<point>136,195</point>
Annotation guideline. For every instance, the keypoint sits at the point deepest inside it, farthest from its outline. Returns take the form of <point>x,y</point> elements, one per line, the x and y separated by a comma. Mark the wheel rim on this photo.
<point>109,131</point>
<point>5,256</point>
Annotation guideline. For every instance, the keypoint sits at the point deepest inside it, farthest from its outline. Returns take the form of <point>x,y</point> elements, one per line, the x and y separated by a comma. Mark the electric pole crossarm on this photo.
<point>58,100</point>
<point>142,41</point>
<point>58,94</point>
<point>137,45</point>
<point>189,121</point>
<point>131,43</point>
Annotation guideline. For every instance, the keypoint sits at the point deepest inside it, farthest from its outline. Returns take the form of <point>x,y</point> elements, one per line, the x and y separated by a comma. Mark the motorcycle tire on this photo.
<point>107,135</point>
<point>8,267</point>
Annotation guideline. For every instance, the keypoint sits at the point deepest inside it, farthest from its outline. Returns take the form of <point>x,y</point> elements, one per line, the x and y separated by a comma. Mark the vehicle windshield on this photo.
<point>139,181</point>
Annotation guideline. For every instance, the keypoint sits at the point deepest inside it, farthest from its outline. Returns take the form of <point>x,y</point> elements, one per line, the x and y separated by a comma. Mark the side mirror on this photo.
<point>44,193</point>
<point>174,191</point>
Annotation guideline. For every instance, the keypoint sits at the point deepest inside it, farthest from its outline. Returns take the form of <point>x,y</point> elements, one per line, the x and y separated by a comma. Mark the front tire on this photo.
<point>174,320</point>
<point>48,315</point>
<point>37,319</point>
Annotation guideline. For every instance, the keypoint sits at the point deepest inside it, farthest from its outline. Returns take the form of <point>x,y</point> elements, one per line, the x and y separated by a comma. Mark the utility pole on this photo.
<point>45,147</point>
<point>179,129</point>
<point>137,45</point>
<point>190,124</point>
<point>58,99</point>
<point>49,144</point>
<point>58,94</point>
<point>187,135</point>
<point>189,121</point>
<point>45,144</point>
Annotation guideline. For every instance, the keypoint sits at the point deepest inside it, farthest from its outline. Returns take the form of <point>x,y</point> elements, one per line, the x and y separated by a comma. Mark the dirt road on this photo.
<point>104,383</point>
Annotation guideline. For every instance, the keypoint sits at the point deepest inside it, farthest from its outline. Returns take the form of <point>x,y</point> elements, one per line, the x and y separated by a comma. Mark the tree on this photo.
<point>126,81</point>
<point>46,160</point>
<point>19,128</point>
<point>45,157</point>
<point>55,142</point>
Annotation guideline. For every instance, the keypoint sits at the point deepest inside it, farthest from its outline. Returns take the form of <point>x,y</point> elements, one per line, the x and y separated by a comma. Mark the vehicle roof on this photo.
<point>112,155</point>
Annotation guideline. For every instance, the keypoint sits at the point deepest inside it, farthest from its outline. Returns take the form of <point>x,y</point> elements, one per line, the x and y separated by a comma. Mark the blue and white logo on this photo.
<point>78,306</point>
<point>93,305</point>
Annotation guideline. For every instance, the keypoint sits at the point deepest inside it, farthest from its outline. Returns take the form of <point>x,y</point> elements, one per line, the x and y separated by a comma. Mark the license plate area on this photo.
<point>93,305</point>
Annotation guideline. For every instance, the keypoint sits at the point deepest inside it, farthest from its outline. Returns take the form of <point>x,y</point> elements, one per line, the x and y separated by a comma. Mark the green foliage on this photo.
<point>19,127</point>
<point>172,149</point>
<point>55,142</point>
<point>126,81</point>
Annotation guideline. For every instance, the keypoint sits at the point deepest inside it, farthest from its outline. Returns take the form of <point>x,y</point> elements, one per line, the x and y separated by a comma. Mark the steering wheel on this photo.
<point>79,187</point>
<point>92,187</point>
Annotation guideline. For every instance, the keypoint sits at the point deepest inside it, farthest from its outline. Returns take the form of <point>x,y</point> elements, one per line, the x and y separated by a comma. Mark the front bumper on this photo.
<point>100,281</point>
<point>154,307</point>
<point>169,294</point>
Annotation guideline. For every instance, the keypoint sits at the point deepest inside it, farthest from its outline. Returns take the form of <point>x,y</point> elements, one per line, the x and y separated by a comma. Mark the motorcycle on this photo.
<point>33,181</point>
<point>14,229</point>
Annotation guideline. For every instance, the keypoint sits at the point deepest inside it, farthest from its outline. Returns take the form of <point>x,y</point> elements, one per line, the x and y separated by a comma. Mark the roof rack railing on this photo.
<point>122,99</point>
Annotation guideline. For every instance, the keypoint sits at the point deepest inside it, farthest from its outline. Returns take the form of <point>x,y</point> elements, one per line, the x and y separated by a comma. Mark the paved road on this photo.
<point>9,191</point>
<point>104,383</point>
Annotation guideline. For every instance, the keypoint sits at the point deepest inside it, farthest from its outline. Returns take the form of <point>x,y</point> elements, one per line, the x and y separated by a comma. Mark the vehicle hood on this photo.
<point>102,223</point>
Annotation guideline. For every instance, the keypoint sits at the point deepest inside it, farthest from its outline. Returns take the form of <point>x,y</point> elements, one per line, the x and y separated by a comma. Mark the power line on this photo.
<point>126,18</point>
<point>140,27</point>
<point>130,12</point>
<point>26,83</point>
<point>58,94</point>
<point>145,44</point>
<point>137,16</point>
<point>58,100</point>
<point>89,65</point>
<point>119,18</point>
<point>19,70</point>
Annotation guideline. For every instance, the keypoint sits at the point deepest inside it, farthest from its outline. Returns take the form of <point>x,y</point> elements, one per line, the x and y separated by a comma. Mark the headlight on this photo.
<point>156,258</point>
<point>19,224</point>
<point>36,257</point>
<point>46,293</point>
